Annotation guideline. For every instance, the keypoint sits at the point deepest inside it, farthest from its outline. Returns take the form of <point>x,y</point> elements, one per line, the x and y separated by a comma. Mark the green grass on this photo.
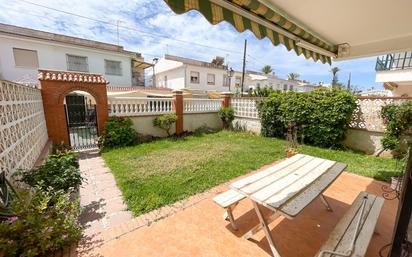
<point>155,174</point>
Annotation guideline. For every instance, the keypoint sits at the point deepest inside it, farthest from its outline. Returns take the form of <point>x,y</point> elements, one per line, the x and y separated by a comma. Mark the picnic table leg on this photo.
<point>266,230</point>
<point>258,227</point>
<point>325,202</point>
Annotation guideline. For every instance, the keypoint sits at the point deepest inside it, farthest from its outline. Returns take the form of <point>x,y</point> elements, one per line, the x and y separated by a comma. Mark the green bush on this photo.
<point>165,122</point>
<point>118,131</point>
<point>227,115</point>
<point>398,120</point>
<point>59,172</point>
<point>324,114</point>
<point>38,229</point>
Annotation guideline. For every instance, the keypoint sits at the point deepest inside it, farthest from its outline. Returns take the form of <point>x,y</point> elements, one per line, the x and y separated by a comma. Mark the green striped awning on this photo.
<point>262,21</point>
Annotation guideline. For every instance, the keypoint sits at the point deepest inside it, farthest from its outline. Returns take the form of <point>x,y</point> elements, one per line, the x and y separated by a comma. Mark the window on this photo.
<point>194,77</point>
<point>210,79</point>
<point>25,58</point>
<point>291,87</point>
<point>113,67</point>
<point>77,63</point>
<point>238,81</point>
<point>226,81</point>
<point>165,81</point>
<point>285,87</point>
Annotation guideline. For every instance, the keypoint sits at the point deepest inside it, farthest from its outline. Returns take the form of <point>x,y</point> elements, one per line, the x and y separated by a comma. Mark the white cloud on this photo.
<point>153,16</point>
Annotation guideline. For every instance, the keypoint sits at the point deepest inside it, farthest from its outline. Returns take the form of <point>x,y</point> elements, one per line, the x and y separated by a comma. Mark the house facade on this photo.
<point>176,72</point>
<point>395,72</point>
<point>24,51</point>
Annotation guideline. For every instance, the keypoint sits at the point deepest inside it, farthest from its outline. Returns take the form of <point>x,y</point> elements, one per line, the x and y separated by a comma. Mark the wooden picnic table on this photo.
<point>286,188</point>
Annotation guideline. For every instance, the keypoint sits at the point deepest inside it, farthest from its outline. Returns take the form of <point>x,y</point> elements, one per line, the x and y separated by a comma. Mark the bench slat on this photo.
<point>228,198</point>
<point>341,237</point>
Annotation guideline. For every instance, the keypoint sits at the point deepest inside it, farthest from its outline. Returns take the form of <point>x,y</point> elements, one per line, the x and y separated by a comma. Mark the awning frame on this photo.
<point>299,41</point>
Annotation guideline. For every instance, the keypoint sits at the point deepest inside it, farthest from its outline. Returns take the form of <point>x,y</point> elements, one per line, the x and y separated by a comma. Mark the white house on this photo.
<point>183,73</point>
<point>395,72</point>
<point>23,51</point>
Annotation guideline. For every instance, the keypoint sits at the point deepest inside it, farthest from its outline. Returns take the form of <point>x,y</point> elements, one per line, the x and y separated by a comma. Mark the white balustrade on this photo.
<point>195,105</point>
<point>135,106</point>
<point>23,131</point>
<point>245,107</point>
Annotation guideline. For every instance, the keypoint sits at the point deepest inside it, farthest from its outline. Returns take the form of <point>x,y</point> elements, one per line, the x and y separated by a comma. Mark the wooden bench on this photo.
<point>353,233</point>
<point>228,200</point>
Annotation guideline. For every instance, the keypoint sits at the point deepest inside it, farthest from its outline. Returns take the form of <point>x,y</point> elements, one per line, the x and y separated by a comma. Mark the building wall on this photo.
<point>202,85</point>
<point>53,56</point>
<point>174,78</point>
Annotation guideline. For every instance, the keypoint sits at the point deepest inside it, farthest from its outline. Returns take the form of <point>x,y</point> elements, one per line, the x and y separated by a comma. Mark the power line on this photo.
<point>149,34</point>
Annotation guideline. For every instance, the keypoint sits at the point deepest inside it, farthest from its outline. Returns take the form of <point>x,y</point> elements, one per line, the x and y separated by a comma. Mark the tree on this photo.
<point>267,69</point>
<point>293,76</point>
<point>334,71</point>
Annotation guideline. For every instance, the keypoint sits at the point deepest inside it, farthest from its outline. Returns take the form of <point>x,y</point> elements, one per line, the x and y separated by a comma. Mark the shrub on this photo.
<point>165,122</point>
<point>398,120</point>
<point>59,172</point>
<point>324,114</point>
<point>227,115</point>
<point>38,229</point>
<point>118,131</point>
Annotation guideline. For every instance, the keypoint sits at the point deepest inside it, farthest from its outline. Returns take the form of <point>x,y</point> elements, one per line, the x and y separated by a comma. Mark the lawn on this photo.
<point>155,174</point>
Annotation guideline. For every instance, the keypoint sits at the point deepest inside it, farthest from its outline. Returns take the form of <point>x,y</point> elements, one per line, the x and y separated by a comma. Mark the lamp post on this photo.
<point>155,60</point>
<point>230,75</point>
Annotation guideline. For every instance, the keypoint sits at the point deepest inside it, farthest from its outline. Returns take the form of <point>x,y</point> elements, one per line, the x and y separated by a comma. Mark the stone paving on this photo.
<point>99,196</point>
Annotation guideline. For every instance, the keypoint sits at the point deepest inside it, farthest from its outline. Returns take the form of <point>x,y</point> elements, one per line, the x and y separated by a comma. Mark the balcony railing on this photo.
<point>397,61</point>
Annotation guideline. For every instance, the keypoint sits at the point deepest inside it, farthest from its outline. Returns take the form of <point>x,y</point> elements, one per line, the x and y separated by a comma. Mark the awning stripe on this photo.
<point>215,14</point>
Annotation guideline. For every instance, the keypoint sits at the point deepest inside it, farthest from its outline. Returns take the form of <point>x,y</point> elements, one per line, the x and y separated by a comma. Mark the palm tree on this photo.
<point>293,76</point>
<point>334,71</point>
<point>267,69</point>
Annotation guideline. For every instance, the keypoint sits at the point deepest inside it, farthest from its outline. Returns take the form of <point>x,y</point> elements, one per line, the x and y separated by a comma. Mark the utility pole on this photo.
<point>350,75</point>
<point>243,69</point>
<point>117,25</point>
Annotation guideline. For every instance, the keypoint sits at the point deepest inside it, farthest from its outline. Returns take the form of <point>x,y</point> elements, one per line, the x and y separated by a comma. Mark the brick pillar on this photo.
<point>225,96</point>
<point>178,108</point>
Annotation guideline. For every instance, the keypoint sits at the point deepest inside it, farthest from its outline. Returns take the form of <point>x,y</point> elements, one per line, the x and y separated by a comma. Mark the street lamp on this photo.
<point>230,73</point>
<point>155,60</point>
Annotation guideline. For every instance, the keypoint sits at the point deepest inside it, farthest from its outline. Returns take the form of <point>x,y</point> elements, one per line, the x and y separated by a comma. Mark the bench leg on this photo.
<point>228,215</point>
<point>258,227</point>
<point>266,229</point>
<point>325,202</point>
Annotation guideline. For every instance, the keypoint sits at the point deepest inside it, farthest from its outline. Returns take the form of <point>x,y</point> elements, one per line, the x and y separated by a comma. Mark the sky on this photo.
<point>152,29</point>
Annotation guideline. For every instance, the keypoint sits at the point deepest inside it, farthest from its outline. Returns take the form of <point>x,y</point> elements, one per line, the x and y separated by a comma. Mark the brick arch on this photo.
<point>55,85</point>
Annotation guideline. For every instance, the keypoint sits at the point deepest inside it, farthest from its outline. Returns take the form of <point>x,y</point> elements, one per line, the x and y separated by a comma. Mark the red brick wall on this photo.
<point>53,94</point>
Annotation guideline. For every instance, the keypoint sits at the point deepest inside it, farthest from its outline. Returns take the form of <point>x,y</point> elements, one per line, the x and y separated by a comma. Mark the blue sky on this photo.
<point>151,28</point>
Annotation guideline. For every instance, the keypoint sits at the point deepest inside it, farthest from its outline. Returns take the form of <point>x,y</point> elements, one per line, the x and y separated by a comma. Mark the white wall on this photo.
<point>175,78</point>
<point>53,56</point>
<point>202,85</point>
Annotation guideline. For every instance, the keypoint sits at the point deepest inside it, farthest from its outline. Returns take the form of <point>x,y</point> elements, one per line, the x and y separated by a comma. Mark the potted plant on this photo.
<point>292,146</point>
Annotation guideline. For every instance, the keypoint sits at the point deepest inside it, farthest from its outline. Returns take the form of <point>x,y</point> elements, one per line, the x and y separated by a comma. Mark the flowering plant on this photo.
<point>43,222</point>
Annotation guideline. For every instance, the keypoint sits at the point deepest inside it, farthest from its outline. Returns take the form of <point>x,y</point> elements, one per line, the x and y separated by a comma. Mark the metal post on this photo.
<point>404,212</point>
<point>243,69</point>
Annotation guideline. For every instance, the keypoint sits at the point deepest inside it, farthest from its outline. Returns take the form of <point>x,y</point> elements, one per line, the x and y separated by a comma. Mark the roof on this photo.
<point>11,30</point>
<point>194,62</point>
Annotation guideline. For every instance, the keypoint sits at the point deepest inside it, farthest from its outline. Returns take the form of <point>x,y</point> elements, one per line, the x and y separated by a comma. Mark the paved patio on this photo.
<point>195,227</point>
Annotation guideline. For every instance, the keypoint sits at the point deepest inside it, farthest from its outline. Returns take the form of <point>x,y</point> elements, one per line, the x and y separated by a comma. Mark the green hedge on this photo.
<point>324,114</point>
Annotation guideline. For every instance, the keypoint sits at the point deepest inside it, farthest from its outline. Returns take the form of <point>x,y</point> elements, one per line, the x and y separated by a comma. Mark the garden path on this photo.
<point>100,198</point>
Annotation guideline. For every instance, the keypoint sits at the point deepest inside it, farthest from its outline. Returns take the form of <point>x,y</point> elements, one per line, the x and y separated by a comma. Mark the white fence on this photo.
<point>135,106</point>
<point>195,105</point>
<point>366,115</point>
<point>245,107</point>
<point>23,131</point>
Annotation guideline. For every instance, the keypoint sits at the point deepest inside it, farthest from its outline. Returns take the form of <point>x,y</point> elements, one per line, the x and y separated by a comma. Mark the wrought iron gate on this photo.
<point>81,120</point>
